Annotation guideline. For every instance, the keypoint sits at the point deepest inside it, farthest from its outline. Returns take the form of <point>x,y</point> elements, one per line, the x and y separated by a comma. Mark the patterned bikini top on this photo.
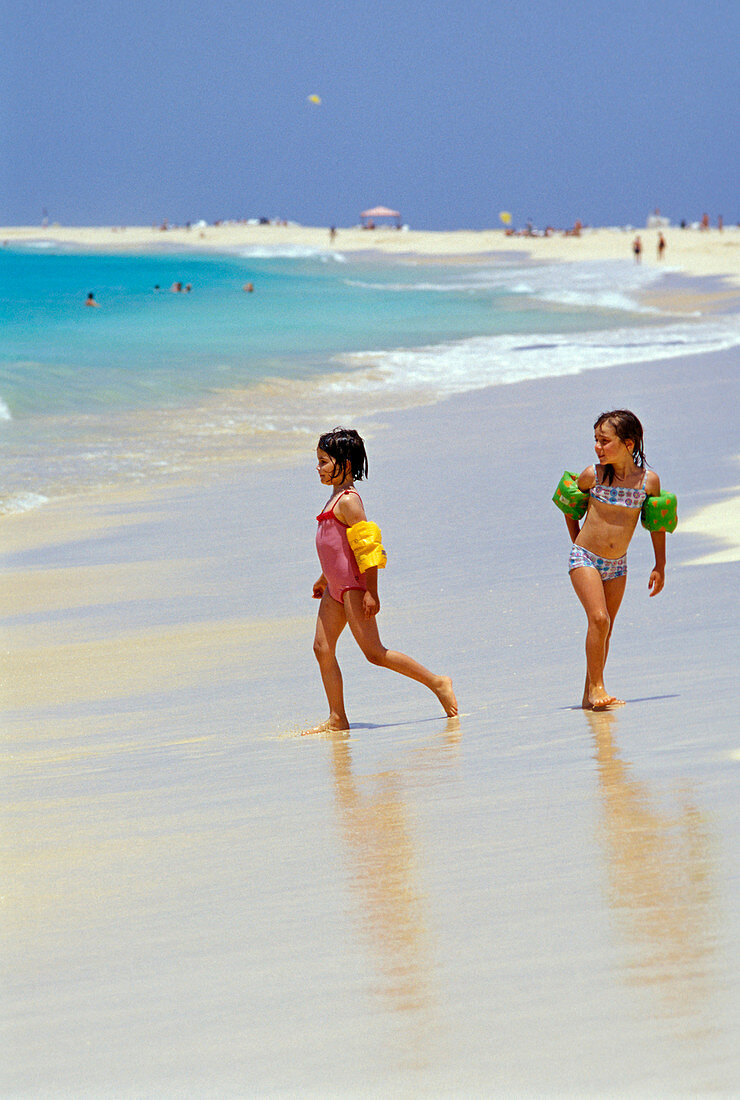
<point>617,494</point>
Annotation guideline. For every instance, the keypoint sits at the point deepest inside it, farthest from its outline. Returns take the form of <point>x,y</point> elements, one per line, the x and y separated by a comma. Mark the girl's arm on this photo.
<point>573,526</point>
<point>319,587</point>
<point>371,601</point>
<point>351,511</point>
<point>585,481</point>
<point>657,575</point>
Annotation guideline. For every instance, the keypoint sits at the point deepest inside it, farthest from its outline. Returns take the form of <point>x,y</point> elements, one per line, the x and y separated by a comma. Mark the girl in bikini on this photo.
<point>617,489</point>
<point>350,553</point>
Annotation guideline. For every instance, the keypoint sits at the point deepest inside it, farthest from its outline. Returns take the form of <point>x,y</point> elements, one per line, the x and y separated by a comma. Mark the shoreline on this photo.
<point>26,529</point>
<point>693,252</point>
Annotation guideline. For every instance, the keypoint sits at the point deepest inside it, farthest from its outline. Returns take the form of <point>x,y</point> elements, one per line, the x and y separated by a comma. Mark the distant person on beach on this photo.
<point>90,301</point>
<point>350,553</point>
<point>332,232</point>
<point>637,249</point>
<point>661,246</point>
<point>610,498</point>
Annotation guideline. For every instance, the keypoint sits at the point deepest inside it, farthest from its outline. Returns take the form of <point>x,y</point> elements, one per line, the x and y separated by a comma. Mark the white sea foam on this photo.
<point>459,366</point>
<point>21,502</point>
<point>4,411</point>
<point>36,244</point>
<point>608,284</point>
<point>258,252</point>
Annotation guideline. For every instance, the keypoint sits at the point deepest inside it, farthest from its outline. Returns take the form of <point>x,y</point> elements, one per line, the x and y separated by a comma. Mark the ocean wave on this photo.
<point>4,411</point>
<point>614,285</point>
<point>261,252</point>
<point>21,502</point>
<point>460,366</point>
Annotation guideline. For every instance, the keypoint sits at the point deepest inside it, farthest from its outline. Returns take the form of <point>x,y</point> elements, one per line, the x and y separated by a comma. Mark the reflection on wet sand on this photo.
<point>384,865</point>
<point>660,867</point>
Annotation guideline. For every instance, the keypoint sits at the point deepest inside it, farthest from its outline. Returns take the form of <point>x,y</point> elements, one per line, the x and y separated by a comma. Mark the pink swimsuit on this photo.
<point>335,554</point>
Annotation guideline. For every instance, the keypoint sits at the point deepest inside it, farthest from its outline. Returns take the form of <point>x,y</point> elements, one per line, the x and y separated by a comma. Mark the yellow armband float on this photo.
<point>364,538</point>
<point>569,498</point>
<point>660,513</point>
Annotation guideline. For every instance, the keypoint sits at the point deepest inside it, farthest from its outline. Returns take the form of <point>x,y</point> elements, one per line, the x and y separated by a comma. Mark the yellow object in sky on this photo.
<point>505,217</point>
<point>314,99</point>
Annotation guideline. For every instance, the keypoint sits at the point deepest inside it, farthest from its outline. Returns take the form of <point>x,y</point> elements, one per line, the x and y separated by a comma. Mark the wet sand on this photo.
<point>530,900</point>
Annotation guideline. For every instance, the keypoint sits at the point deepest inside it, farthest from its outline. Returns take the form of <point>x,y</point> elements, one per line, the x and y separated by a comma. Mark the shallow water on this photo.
<point>157,383</point>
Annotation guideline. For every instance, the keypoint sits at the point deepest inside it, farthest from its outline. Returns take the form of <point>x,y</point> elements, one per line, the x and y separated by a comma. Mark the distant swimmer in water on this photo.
<point>249,287</point>
<point>187,288</point>
<point>90,301</point>
<point>176,288</point>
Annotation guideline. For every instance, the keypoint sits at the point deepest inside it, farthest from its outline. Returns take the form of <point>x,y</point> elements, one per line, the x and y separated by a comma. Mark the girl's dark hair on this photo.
<point>626,426</point>
<point>345,445</point>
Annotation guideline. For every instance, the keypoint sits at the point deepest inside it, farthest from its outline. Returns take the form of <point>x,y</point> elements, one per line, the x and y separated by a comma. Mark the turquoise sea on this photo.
<point>154,381</point>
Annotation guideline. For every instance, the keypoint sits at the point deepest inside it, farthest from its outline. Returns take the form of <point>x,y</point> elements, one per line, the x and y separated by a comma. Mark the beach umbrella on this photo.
<point>314,99</point>
<point>505,217</point>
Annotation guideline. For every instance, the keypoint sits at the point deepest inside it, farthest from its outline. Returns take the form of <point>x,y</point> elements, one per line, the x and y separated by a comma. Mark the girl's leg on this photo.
<point>613,593</point>
<point>365,632</point>
<point>589,588</point>
<point>330,623</point>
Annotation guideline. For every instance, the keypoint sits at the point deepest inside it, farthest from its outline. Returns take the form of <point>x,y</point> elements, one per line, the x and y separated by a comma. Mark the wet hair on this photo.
<point>345,445</point>
<point>626,427</point>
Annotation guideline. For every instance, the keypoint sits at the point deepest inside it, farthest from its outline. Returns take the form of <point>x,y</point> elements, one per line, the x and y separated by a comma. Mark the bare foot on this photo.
<point>586,703</point>
<point>333,724</point>
<point>599,699</point>
<point>446,695</point>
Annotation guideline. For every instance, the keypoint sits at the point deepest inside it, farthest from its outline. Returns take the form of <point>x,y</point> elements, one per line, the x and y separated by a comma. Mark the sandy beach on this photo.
<point>529,900</point>
<point>691,251</point>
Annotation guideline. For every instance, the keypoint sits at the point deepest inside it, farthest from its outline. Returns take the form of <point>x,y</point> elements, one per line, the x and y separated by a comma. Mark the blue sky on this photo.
<point>130,112</point>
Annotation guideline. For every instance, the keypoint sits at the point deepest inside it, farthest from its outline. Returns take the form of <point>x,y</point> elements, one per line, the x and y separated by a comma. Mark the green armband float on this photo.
<point>364,538</point>
<point>660,513</point>
<point>569,498</point>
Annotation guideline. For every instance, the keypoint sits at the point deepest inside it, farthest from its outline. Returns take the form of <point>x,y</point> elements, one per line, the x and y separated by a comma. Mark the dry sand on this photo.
<point>200,902</point>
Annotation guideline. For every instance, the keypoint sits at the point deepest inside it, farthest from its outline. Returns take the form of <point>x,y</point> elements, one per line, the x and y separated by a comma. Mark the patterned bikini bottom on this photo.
<point>609,568</point>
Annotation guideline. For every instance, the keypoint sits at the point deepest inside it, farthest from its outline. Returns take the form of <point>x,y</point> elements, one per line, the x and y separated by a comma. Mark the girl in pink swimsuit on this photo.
<point>617,489</point>
<point>347,595</point>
